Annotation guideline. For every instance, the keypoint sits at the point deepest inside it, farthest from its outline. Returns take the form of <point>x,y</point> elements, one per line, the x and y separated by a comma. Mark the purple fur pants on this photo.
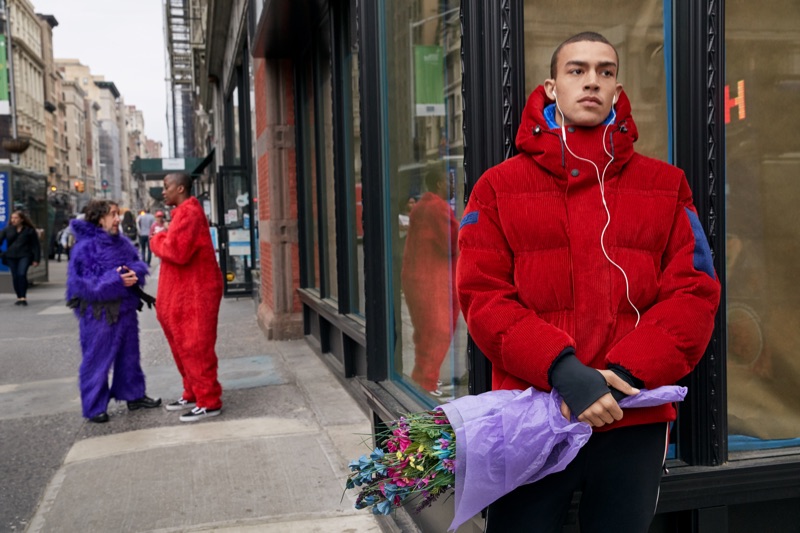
<point>106,346</point>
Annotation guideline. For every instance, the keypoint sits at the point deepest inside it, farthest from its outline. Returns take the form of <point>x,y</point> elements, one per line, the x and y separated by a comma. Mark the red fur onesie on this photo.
<point>428,279</point>
<point>189,294</point>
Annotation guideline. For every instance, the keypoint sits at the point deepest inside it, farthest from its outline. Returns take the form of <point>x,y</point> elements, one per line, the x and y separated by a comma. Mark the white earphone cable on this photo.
<point>601,181</point>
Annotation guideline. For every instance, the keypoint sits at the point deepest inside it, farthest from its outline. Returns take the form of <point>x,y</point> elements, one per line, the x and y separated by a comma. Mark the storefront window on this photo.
<point>635,30</point>
<point>355,214</point>
<point>309,168</point>
<point>325,143</point>
<point>316,116</point>
<point>424,194</point>
<point>762,137</point>
<point>235,134</point>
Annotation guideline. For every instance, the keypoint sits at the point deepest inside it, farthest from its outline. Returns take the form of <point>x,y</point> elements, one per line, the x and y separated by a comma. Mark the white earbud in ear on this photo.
<point>554,94</point>
<point>614,101</point>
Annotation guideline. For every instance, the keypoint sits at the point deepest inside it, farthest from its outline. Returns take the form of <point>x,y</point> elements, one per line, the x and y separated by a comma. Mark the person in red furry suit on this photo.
<point>428,278</point>
<point>189,294</point>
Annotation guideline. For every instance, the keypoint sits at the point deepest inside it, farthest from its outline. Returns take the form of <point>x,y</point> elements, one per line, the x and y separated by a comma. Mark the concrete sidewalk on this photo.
<point>275,460</point>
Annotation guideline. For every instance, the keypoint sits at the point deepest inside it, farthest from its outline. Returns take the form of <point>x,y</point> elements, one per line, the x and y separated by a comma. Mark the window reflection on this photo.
<point>425,194</point>
<point>325,107</point>
<point>310,199</point>
<point>354,186</point>
<point>763,241</point>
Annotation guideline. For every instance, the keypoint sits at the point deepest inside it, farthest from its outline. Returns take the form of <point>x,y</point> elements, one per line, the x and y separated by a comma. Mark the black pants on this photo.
<point>19,274</point>
<point>618,473</point>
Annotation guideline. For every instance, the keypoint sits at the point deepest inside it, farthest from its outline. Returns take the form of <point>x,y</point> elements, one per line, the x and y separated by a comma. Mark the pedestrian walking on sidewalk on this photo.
<point>144,223</point>
<point>22,252</point>
<point>189,295</point>
<point>103,274</point>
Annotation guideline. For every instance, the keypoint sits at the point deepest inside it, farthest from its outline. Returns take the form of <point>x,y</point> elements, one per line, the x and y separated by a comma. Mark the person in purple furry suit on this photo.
<point>103,276</point>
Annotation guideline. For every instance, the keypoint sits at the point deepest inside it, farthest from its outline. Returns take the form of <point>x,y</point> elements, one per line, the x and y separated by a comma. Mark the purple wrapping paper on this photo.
<point>508,438</point>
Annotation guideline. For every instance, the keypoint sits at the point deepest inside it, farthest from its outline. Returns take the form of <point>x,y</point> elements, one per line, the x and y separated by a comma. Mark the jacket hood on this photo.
<point>83,229</point>
<point>536,138</point>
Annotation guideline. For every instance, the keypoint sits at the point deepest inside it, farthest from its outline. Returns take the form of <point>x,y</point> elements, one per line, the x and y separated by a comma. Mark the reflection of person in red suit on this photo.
<point>428,277</point>
<point>189,294</point>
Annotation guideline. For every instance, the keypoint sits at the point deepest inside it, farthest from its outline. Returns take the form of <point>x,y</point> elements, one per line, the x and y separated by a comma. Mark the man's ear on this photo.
<point>550,88</point>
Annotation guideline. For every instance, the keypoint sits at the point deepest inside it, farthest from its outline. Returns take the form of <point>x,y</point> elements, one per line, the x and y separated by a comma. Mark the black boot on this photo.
<point>144,403</point>
<point>99,419</point>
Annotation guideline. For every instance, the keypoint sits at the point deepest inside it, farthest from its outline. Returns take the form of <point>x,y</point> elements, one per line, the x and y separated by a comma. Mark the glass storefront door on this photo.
<point>235,236</point>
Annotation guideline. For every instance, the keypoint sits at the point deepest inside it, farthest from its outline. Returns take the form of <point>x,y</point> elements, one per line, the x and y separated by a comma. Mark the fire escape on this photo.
<point>180,76</point>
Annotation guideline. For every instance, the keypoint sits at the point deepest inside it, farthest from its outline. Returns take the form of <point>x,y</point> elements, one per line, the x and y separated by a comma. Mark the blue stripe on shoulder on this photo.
<point>702,252</point>
<point>469,218</point>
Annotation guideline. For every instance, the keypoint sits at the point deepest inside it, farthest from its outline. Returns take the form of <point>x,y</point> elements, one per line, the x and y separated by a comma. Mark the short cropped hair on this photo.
<point>180,178</point>
<point>579,38</point>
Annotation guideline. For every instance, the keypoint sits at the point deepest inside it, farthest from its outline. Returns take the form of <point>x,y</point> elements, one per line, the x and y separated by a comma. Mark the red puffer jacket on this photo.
<point>533,279</point>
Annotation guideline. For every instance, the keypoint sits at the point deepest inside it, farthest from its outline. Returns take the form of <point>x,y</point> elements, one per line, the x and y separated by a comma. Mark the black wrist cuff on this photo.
<point>579,385</point>
<point>629,378</point>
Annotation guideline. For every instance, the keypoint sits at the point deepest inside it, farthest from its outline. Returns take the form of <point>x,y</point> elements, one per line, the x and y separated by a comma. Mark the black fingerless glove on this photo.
<point>579,385</point>
<point>627,377</point>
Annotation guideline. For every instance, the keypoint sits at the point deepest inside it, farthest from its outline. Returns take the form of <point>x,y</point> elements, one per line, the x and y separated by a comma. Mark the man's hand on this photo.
<point>605,409</point>
<point>129,277</point>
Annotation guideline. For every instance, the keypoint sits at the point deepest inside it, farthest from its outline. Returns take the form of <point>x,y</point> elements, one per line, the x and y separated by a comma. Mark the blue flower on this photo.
<point>385,507</point>
<point>443,450</point>
<point>377,454</point>
<point>390,491</point>
<point>364,462</point>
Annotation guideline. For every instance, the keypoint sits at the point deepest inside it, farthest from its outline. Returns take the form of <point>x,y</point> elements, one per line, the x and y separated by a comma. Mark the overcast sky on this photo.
<point>122,40</point>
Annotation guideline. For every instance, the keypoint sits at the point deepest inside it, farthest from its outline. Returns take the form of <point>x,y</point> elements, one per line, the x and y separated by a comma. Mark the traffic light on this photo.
<point>79,187</point>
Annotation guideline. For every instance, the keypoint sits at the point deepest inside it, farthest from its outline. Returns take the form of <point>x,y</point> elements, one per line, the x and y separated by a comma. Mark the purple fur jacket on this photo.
<point>93,283</point>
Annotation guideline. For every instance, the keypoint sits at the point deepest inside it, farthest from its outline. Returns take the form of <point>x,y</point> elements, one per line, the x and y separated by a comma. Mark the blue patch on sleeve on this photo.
<point>469,218</point>
<point>702,252</point>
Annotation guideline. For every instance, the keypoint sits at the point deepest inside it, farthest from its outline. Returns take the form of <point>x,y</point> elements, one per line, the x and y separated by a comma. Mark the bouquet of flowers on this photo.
<point>416,458</point>
<point>506,439</point>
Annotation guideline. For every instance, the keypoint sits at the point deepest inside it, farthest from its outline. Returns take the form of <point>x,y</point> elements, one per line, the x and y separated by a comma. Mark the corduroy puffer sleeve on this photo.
<point>512,336</point>
<point>673,334</point>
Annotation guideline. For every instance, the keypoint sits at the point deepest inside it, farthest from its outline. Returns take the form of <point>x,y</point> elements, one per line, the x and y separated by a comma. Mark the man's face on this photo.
<point>110,221</point>
<point>15,219</point>
<point>585,83</point>
<point>170,191</point>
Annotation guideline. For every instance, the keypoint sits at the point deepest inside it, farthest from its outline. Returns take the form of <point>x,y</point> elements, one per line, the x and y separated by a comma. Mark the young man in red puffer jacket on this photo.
<point>585,268</point>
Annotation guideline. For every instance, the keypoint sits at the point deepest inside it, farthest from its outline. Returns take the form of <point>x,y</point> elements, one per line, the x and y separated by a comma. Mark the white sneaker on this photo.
<point>199,413</point>
<point>179,405</point>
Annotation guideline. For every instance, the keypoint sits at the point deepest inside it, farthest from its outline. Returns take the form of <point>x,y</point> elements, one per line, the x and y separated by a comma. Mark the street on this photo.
<point>48,451</point>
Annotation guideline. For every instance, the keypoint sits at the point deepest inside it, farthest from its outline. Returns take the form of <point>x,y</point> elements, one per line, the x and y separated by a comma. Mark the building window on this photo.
<point>319,197</point>
<point>424,198</point>
<point>763,160</point>
<point>353,185</point>
<point>310,198</point>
